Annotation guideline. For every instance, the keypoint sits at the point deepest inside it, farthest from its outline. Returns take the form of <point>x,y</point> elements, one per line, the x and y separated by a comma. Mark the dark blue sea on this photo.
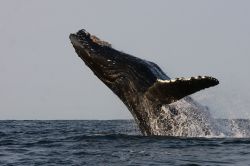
<point>111,142</point>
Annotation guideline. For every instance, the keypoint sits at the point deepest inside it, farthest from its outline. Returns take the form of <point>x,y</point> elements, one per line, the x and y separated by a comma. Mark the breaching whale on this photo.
<point>151,96</point>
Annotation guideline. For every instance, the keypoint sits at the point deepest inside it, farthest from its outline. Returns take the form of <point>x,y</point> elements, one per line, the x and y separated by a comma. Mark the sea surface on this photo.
<point>112,142</point>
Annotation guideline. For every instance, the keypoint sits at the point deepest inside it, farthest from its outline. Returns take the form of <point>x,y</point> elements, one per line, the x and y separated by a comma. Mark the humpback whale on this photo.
<point>160,105</point>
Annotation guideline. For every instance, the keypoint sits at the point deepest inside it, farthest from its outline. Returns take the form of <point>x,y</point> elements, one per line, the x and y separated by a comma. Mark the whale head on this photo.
<point>93,51</point>
<point>121,72</point>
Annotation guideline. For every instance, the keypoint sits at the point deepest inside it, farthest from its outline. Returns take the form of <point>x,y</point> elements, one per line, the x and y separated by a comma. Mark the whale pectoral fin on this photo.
<point>168,91</point>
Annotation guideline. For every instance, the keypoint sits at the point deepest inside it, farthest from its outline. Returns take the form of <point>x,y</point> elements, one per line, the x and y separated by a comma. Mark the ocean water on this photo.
<point>114,142</point>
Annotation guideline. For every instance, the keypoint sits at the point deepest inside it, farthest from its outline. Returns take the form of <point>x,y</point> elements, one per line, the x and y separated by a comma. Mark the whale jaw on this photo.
<point>142,86</point>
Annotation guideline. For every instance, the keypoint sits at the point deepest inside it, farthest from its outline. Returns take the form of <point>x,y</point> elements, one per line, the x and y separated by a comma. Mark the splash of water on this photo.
<point>190,119</point>
<point>236,128</point>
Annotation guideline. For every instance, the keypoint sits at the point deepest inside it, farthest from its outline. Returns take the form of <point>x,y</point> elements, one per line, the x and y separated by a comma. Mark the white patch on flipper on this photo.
<point>182,78</point>
<point>163,81</point>
<point>187,79</point>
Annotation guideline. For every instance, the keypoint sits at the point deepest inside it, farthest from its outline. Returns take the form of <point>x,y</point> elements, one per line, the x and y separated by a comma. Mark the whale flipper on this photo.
<point>169,91</point>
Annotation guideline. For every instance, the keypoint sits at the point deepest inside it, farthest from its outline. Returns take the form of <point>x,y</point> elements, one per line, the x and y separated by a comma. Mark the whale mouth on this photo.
<point>80,40</point>
<point>84,40</point>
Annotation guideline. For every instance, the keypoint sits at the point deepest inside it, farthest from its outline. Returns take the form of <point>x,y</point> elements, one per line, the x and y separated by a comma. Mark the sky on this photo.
<point>41,77</point>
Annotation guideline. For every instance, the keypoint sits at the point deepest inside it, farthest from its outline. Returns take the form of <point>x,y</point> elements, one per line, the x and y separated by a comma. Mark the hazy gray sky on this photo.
<point>42,77</point>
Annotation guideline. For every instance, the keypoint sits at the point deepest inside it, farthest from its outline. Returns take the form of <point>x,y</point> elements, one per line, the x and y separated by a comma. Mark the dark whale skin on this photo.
<point>142,86</point>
